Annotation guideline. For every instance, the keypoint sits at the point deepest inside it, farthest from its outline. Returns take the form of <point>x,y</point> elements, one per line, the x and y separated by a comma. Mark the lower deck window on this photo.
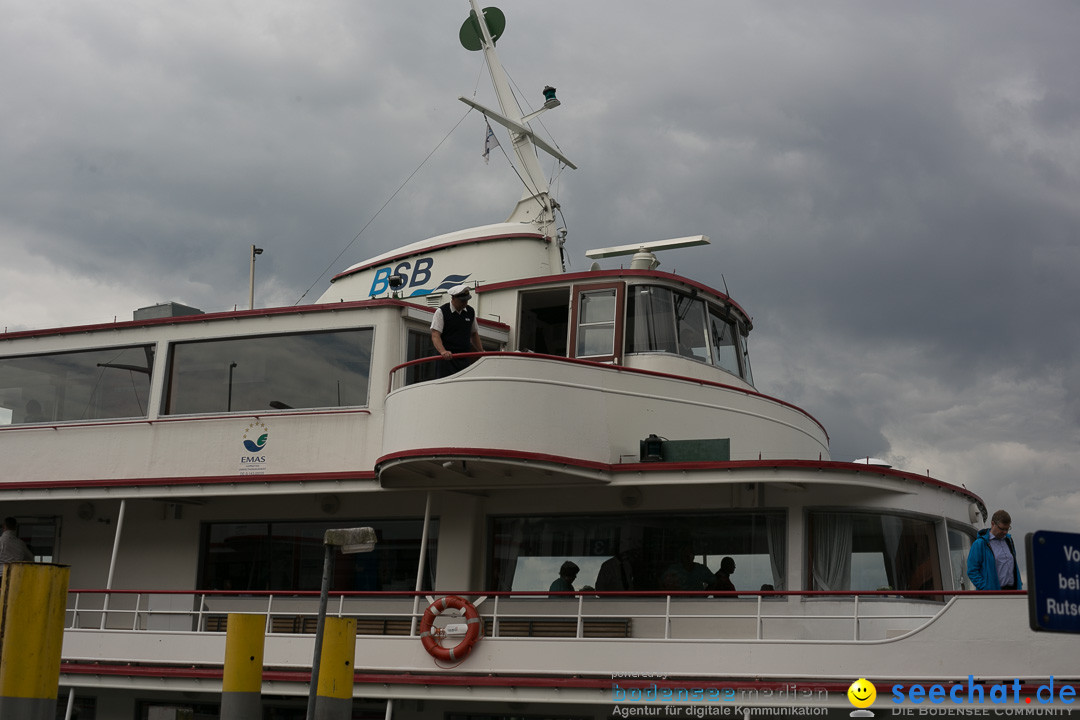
<point>637,552</point>
<point>870,551</point>
<point>959,546</point>
<point>289,556</point>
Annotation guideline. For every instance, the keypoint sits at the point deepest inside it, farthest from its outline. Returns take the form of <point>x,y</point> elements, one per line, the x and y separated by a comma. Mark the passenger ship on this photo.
<point>187,466</point>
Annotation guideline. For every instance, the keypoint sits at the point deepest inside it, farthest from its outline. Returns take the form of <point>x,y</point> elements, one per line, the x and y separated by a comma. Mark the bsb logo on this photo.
<point>415,277</point>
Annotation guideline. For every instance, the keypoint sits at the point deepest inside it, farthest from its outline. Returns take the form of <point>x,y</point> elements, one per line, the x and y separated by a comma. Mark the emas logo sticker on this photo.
<point>255,438</point>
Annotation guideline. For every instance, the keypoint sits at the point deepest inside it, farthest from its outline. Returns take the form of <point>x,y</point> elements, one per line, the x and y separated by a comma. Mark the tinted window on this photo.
<point>326,369</point>
<point>725,343</point>
<point>637,552</point>
<point>85,385</point>
<point>865,551</point>
<point>289,556</point>
<point>650,326</point>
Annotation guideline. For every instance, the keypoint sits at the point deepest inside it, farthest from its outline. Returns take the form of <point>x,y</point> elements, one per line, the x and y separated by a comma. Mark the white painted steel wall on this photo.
<point>590,413</point>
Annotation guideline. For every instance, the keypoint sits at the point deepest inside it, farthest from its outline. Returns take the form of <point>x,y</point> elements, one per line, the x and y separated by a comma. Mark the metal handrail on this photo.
<point>583,609</point>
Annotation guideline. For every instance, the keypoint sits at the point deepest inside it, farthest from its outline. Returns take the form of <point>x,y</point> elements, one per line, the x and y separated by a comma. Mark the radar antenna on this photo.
<point>644,259</point>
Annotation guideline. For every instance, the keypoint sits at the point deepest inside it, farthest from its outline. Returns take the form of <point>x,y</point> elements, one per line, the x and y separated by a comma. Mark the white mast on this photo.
<point>536,205</point>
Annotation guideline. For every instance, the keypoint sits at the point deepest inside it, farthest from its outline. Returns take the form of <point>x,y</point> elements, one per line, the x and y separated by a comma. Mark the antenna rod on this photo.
<point>534,176</point>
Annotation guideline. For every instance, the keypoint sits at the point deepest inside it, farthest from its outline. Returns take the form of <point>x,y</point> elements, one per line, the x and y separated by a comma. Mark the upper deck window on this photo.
<point>597,312</point>
<point>309,370</point>
<point>664,320</point>
<point>596,323</point>
<point>725,342</point>
<point>83,385</point>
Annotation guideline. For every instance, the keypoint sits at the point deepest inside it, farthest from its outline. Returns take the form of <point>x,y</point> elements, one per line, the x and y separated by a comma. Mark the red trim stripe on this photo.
<point>208,317</point>
<point>188,481</point>
<point>698,466</point>
<point>509,681</point>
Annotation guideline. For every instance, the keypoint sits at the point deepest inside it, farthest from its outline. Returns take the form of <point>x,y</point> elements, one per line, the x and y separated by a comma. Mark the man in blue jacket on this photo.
<point>992,559</point>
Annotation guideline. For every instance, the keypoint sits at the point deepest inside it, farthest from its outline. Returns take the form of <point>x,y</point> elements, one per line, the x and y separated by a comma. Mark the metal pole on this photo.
<point>112,560</point>
<point>389,709</point>
<point>319,627</point>
<point>421,565</point>
<point>71,704</point>
<point>228,404</point>
<point>251,282</point>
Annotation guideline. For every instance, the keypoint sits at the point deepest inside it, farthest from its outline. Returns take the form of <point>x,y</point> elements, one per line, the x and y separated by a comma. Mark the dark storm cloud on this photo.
<point>891,188</point>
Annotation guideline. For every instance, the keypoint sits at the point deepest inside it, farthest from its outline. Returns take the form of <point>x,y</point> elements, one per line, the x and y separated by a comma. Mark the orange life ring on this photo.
<point>430,636</point>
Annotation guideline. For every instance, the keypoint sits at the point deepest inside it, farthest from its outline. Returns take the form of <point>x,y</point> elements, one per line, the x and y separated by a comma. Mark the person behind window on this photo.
<point>12,548</point>
<point>685,573</point>
<point>722,580</point>
<point>617,572</point>
<point>34,413</point>
<point>567,574</point>
<point>454,330</point>
<point>992,558</point>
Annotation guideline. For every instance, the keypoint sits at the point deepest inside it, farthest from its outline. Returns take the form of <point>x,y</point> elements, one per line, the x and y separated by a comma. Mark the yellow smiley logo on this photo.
<point>862,693</point>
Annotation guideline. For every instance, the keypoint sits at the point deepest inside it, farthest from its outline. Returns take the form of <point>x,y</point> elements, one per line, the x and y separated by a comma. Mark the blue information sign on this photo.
<point>1053,563</point>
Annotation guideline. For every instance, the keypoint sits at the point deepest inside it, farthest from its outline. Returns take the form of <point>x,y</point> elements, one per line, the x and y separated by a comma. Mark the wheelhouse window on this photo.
<point>724,334</point>
<point>870,551</point>
<point>289,556</point>
<point>596,333</point>
<point>308,370</point>
<point>664,320</point>
<point>544,321</point>
<point>637,552</point>
<point>650,326</point>
<point>84,385</point>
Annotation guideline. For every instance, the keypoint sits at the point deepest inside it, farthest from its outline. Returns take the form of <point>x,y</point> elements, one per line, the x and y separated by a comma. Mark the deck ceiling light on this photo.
<point>352,540</point>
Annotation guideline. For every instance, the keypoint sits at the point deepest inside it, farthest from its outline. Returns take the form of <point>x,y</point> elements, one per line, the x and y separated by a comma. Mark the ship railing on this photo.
<point>658,615</point>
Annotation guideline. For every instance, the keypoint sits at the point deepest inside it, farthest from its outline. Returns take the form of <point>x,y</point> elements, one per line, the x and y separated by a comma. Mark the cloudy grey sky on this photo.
<point>892,189</point>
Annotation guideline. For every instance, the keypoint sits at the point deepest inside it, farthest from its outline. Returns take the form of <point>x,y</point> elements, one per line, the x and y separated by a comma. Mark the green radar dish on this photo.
<point>470,29</point>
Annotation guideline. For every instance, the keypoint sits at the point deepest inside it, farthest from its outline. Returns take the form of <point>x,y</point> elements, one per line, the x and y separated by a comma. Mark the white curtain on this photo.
<point>776,533</point>
<point>832,551</point>
<point>891,529</point>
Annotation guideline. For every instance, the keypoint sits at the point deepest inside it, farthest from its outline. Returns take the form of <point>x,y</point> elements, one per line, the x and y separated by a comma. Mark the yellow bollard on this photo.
<point>241,684</point>
<point>33,598</point>
<point>336,670</point>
